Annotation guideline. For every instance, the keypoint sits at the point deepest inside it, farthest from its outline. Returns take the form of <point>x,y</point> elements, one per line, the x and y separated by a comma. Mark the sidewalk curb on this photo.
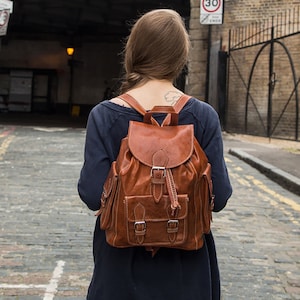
<point>281,177</point>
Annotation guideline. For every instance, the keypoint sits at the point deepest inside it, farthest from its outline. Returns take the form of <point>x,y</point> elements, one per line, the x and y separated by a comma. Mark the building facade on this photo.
<point>258,46</point>
<point>247,68</point>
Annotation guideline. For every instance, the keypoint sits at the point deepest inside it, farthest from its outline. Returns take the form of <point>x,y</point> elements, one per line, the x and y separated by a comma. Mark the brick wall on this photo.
<point>240,14</point>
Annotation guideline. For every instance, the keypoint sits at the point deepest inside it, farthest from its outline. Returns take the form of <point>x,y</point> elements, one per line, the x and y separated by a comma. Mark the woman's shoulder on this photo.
<point>106,113</point>
<point>109,105</point>
<point>108,108</point>
<point>200,109</point>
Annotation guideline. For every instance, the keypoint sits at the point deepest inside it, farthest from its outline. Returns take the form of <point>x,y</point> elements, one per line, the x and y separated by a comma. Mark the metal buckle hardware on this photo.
<point>140,227</point>
<point>158,168</point>
<point>172,226</point>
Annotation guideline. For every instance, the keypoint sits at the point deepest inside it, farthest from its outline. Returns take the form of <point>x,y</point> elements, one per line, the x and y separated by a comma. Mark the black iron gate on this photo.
<point>262,82</point>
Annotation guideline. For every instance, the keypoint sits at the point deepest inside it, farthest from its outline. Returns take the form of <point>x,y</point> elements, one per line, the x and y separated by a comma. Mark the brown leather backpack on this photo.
<point>159,191</point>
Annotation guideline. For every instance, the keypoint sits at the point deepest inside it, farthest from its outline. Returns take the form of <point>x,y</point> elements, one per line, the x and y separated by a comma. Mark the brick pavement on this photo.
<point>42,219</point>
<point>46,232</point>
<point>257,238</point>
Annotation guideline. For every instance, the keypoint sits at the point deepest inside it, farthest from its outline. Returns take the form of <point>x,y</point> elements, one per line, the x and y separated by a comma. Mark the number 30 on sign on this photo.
<point>211,11</point>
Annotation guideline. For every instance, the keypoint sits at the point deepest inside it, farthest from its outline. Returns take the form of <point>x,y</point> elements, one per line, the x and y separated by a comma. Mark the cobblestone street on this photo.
<point>46,232</point>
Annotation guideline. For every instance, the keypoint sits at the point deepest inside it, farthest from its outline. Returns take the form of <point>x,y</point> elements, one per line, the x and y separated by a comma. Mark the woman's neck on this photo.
<point>153,93</point>
<point>156,92</point>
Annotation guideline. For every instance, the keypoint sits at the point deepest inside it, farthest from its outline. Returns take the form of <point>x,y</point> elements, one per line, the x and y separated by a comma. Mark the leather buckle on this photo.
<point>140,227</point>
<point>172,226</point>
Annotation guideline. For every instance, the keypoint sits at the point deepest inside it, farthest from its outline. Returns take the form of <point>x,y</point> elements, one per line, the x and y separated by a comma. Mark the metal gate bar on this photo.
<point>285,24</point>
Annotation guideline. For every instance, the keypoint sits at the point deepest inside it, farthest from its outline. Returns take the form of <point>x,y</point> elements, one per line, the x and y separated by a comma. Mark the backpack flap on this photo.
<point>146,140</point>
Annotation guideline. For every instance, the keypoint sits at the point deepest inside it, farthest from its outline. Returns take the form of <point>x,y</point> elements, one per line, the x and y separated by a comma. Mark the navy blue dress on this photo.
<point>132,273</point>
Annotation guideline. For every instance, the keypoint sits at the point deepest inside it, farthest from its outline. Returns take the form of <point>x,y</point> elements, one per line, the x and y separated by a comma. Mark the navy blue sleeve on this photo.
<point>96,164</point>
<point>209,135</point>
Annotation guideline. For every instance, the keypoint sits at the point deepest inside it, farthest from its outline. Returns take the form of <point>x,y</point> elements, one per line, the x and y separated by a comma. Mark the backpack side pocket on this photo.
<point>107,198</point>
<point>208,203</point>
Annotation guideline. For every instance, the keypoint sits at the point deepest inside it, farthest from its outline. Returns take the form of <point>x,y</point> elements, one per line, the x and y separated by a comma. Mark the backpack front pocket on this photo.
<point>155,223</point>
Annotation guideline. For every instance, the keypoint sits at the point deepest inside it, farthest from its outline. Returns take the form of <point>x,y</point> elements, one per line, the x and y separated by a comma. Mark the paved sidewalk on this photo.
<point>277,159</point>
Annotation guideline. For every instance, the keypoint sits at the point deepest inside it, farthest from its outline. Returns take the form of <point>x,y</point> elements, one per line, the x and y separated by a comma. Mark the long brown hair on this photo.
<point>157,48</point>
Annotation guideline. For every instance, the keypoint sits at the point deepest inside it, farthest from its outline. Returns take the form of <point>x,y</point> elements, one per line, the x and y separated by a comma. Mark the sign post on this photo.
<point>211,12</point>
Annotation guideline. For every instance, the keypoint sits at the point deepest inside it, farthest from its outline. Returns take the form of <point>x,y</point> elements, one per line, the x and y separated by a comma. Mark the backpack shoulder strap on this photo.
<point>133,103</point>
<point>181,102</point>
<point>177,107</point>
<point>139,108</point>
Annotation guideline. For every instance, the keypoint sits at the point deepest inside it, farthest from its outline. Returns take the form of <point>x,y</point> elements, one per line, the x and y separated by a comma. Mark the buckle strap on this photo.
<point>139,224</point>
<point>158,174</point>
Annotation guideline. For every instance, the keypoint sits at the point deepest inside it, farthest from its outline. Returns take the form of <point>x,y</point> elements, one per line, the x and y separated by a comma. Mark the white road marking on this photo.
<point>23,286</point>
<point>69,163</point>
<point>51,288</point>
<point>52,129</point>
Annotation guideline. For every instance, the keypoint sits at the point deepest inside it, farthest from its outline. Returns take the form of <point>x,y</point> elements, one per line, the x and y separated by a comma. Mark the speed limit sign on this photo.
<point>211,11</point>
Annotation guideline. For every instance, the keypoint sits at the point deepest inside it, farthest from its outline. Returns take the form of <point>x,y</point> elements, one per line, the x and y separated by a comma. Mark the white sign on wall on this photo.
<point>211,11</point>
<point>6,4</point>
<point>4,18</point>
<point>6,8</point>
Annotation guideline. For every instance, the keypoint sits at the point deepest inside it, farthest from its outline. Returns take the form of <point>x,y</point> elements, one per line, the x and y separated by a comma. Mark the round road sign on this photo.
<point>211,6</point>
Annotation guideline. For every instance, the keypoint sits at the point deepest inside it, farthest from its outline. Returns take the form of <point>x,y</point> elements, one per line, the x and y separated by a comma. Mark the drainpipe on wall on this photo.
<point>208,64</point>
